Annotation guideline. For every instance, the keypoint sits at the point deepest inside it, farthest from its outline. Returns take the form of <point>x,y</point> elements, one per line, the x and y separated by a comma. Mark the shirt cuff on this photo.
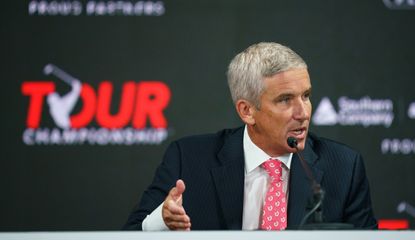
<point>154,221</point>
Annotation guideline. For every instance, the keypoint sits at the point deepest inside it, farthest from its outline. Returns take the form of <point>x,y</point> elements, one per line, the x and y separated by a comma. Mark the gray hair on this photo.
<point>247,69</point>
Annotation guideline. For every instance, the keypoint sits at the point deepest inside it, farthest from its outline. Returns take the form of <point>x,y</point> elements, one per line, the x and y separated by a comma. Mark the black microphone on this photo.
<point>318,192</point>
<point>292,142</point>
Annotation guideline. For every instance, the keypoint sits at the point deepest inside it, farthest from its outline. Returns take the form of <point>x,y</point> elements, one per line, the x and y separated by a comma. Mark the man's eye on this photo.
<point>284,99</point>
<point>307,95</point>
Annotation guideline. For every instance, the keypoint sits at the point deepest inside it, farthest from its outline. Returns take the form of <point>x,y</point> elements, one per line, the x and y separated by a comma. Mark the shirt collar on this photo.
<point>255,156</point>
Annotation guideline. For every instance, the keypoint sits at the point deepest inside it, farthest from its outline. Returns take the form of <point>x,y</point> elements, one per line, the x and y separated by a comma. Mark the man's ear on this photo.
<point>246,111</point>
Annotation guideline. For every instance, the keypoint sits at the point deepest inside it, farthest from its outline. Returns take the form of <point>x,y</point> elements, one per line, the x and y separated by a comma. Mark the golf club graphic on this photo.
<point>60,107</point>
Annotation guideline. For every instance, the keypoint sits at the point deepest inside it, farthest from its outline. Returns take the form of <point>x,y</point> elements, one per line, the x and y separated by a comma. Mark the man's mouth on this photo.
<point>298,132</point>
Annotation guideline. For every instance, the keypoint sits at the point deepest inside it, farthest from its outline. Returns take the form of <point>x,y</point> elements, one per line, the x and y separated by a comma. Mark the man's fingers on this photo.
<point>177,221</point>
<point>175,208</point>
<point>178,218</point>
<point>179,225</point>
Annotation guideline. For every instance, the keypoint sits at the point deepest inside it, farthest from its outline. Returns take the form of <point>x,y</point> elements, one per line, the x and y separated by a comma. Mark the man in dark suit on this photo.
<point>221,181</point>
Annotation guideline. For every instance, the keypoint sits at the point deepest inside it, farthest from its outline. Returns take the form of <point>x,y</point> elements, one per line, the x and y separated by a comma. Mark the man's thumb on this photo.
<point>180,186</point>
<point>178,190</point>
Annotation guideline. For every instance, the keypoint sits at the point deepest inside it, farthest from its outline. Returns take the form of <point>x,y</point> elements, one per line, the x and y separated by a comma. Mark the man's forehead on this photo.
<point>294,80</point>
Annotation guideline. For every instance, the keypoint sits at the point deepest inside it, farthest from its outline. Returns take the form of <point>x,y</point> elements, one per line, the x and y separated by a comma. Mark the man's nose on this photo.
<point>301,110</point>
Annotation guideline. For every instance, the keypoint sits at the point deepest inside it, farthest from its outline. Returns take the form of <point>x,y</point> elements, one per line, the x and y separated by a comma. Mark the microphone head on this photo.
<point>292,142</point>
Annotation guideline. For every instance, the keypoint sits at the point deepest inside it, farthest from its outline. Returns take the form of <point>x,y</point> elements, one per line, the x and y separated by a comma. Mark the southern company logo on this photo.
<point>139,102</point>
<point>353,112</point>
<point>365,112</point>
<point>325,113</point>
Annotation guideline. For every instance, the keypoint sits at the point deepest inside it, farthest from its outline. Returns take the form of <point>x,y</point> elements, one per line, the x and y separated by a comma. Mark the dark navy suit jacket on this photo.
<point>212,167</point>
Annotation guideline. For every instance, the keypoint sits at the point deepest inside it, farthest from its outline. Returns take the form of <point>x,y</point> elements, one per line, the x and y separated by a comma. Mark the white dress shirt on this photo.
<point>255,188</point>
<point>257,180</point>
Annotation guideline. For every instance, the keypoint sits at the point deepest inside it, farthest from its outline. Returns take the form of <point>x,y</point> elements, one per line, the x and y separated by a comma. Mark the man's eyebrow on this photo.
<point>308,90</point>
<point>283,95</point>
<point>286,95</point>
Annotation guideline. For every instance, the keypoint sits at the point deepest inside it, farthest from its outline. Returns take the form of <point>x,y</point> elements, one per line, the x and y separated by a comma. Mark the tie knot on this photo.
<point>274,169</point>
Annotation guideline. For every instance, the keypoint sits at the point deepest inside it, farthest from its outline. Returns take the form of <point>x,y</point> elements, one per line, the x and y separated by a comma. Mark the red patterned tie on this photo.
<point>274,216</point>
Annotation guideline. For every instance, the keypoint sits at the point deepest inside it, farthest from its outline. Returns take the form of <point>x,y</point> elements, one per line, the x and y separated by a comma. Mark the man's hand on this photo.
<point>173,213</point>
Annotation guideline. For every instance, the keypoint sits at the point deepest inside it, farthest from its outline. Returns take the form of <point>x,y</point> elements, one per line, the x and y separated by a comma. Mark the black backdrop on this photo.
<point>361,59</point>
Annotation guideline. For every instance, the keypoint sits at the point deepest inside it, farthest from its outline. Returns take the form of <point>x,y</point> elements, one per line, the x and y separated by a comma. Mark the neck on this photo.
<point>259,141</point>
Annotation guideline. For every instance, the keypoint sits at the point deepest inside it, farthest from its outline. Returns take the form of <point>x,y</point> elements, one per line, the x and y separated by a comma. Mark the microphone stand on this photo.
<point>316,222</point>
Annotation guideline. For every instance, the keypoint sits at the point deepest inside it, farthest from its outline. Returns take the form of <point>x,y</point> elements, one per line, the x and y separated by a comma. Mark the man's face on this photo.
<point>285,111</point>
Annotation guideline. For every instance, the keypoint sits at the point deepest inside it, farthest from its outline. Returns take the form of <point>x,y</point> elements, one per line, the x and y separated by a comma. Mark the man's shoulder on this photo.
<point>322,145</point>
<point>217,138</point>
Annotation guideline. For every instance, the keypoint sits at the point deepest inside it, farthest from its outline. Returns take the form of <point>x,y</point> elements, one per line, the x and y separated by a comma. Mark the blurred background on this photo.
<point>94,91</point>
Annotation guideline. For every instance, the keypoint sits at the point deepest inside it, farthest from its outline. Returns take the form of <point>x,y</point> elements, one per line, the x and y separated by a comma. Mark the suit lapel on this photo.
<point>300,186</point>
<point>229,179</point>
